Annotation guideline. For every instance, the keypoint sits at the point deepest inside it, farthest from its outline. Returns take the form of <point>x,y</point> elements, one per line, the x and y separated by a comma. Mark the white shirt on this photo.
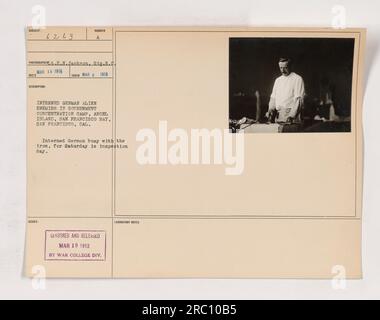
<point>287,89</point>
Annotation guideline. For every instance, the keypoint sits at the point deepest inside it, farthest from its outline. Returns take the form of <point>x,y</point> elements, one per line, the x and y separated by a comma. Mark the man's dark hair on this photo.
<point>288,60</point>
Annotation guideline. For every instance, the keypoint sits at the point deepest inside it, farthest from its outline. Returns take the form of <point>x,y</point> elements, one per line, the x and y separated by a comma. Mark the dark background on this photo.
<point>324,64</point>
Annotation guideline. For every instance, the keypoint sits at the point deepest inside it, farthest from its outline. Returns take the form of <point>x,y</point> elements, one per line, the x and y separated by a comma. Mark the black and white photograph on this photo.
<point>284,85</point>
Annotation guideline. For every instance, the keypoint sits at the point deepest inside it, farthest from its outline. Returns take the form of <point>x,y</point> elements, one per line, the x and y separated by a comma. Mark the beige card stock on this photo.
<point>138,166</point>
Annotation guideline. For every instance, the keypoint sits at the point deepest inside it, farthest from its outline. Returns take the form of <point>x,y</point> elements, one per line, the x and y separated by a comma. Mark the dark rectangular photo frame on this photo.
<point>325,66</point>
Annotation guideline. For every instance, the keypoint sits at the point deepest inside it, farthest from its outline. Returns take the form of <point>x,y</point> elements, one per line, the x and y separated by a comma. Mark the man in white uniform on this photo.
<point>287,95</point>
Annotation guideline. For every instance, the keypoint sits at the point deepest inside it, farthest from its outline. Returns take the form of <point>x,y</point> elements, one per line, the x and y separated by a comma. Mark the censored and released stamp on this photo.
<point>75,245</point>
